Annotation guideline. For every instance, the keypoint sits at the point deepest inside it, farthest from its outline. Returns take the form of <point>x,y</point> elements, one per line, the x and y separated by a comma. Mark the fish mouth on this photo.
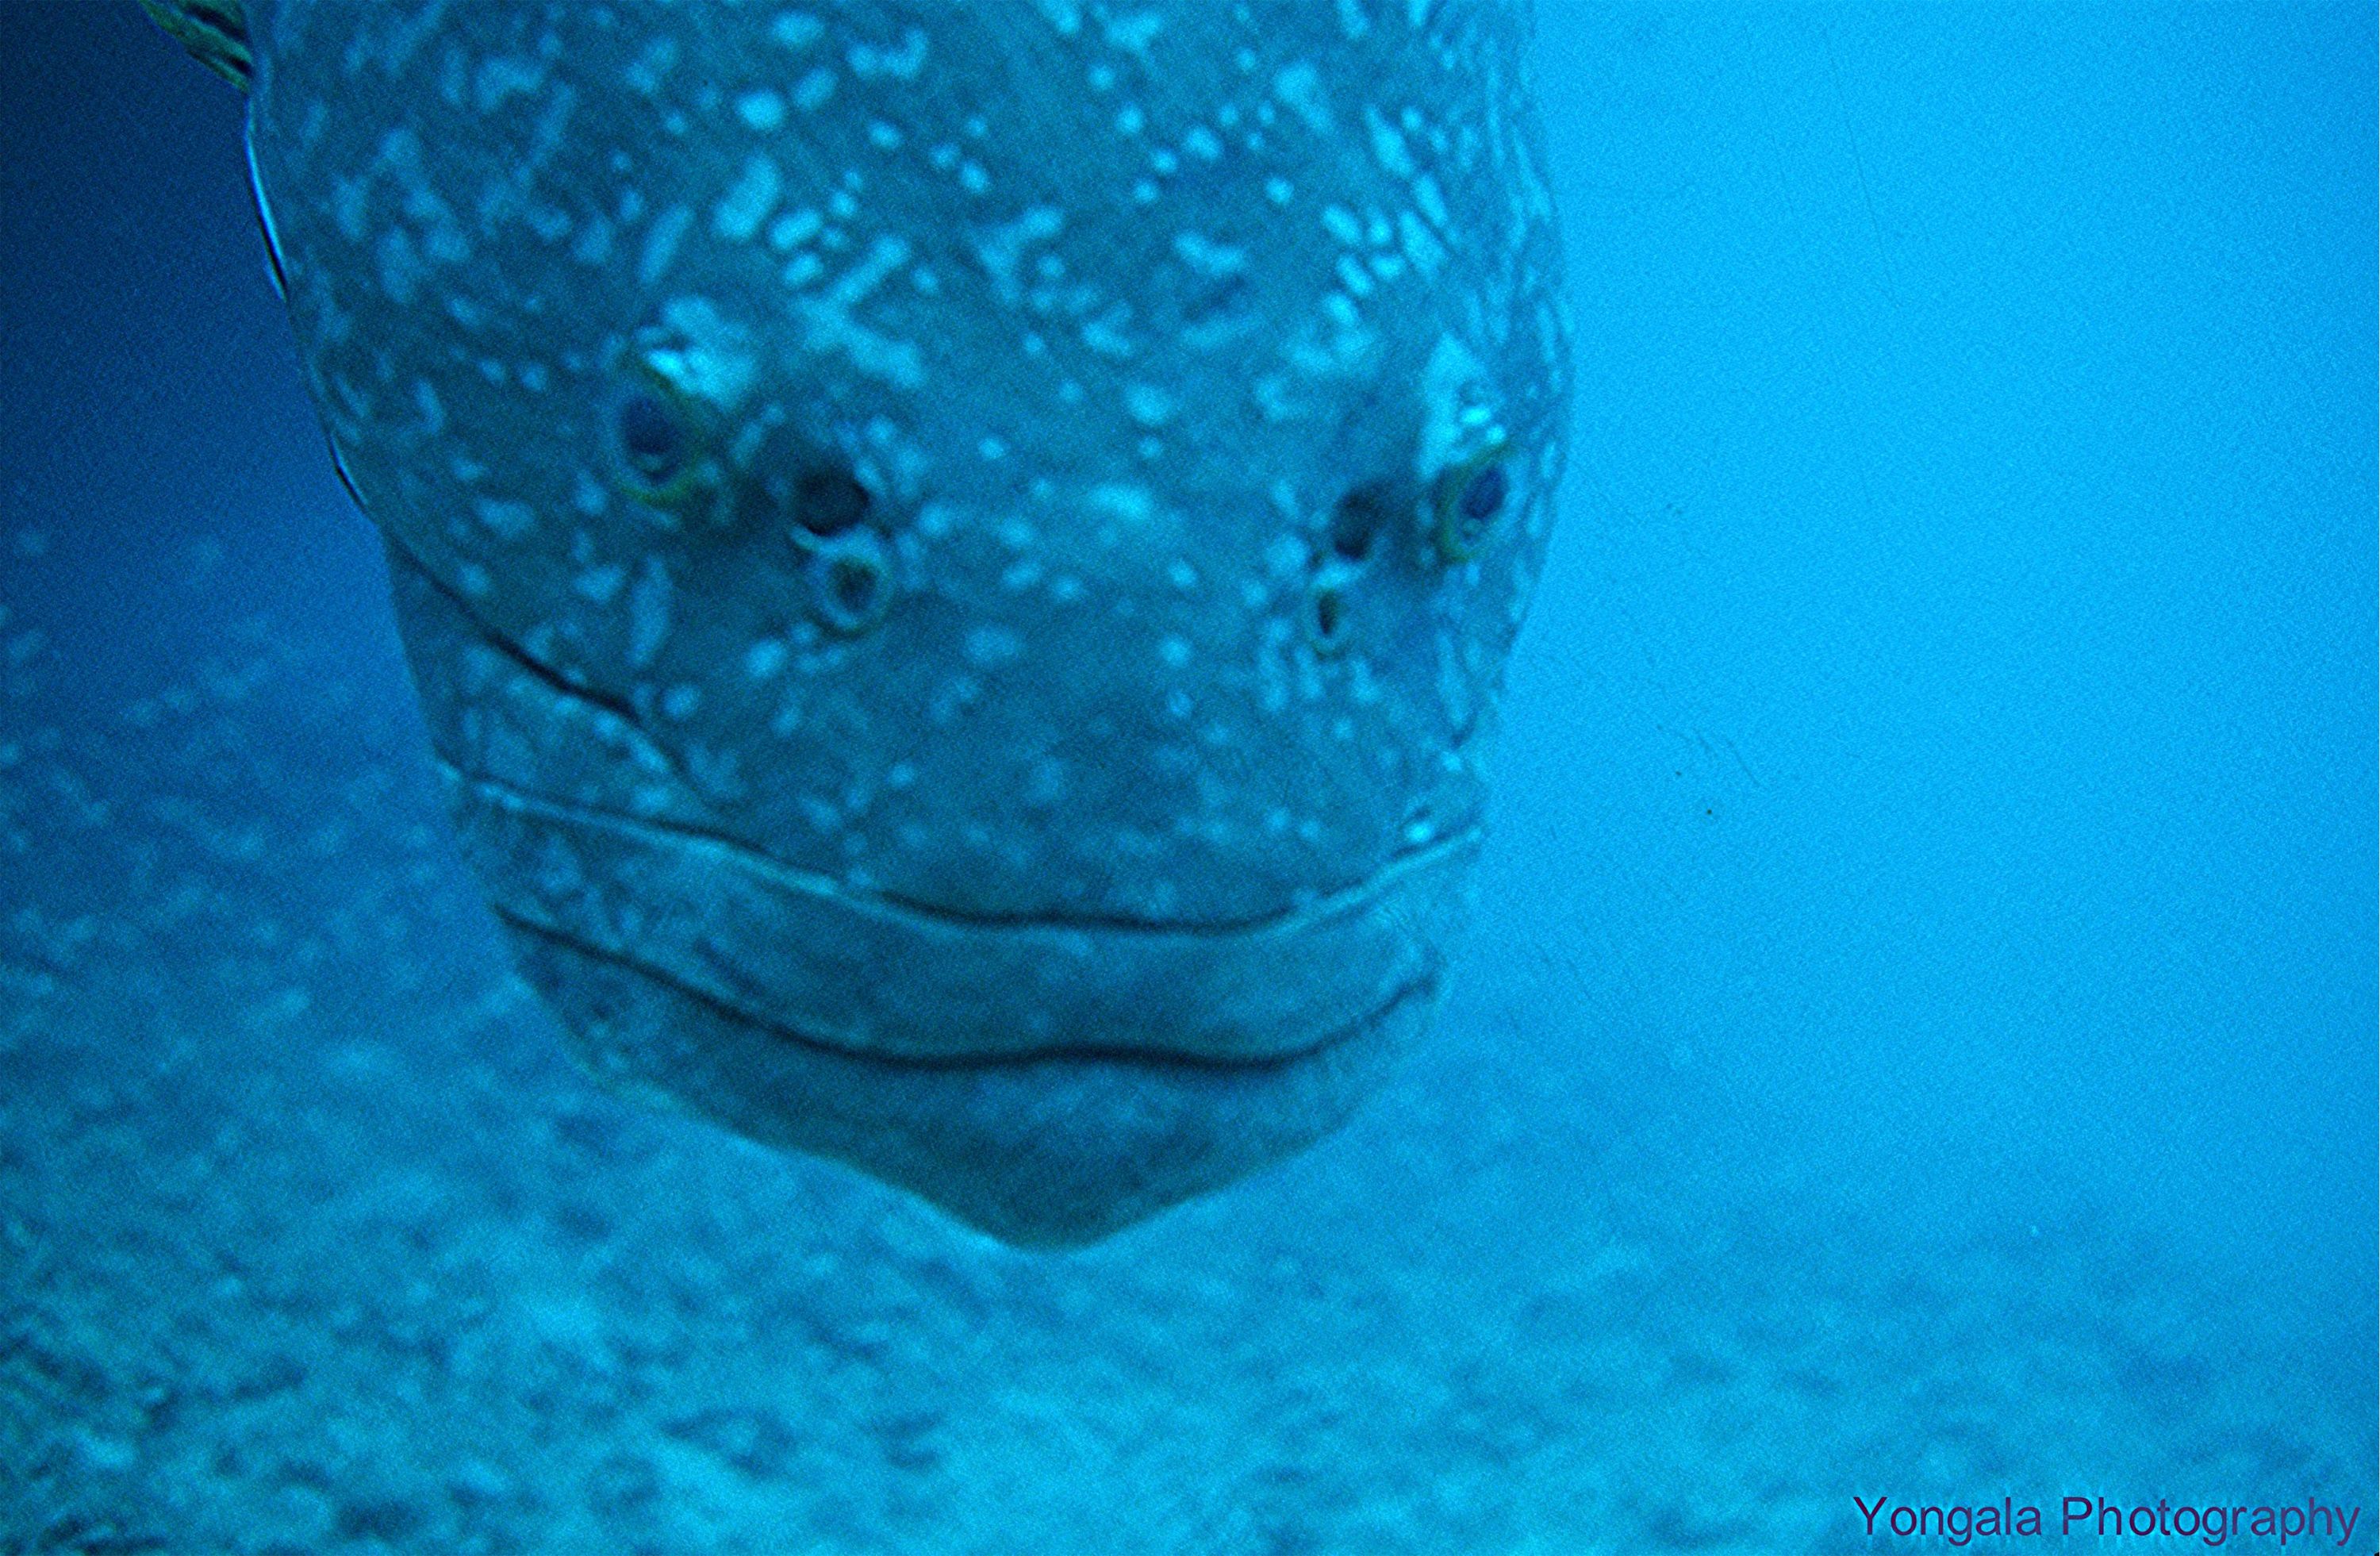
<point>1047,1082</point>
<point>1422,989</point>
<point>816,962</point>
<point>1049,1150</point>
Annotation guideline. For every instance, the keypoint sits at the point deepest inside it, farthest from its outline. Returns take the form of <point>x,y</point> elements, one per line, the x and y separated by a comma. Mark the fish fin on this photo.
<point>215,31</point>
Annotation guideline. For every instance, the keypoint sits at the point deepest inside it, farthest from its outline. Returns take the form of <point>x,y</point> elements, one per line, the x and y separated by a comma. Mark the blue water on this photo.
<point>1919,1041</point>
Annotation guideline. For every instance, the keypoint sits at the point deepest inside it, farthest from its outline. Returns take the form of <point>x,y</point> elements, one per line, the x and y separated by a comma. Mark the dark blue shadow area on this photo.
<point>156,443</point>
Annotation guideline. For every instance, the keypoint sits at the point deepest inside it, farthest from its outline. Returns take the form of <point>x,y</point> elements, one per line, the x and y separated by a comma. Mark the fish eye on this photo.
<point>1483,498</point>
<point>830,500</point>
<point>654,442</point>
<point>1471,497</point>
<point>650,438</point>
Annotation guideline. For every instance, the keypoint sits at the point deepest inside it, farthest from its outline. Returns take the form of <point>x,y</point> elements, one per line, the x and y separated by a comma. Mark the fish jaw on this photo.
<point>1054,1151</point>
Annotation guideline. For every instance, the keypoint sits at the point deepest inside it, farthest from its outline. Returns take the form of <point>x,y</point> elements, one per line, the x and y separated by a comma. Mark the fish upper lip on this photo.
<point>788,950</point>
<point>804,955</point>
<point>553,681</point>
<point>1320,901</point>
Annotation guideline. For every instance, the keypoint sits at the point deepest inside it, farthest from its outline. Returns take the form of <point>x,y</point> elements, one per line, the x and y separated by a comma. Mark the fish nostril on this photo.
<point>1327,627</point>
<point>1357,522</point>
<point>829,501</point>
<point>853,578</point>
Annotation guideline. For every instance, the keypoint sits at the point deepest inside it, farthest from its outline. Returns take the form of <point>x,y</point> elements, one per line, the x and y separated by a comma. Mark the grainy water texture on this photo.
<point>1909,1077</point>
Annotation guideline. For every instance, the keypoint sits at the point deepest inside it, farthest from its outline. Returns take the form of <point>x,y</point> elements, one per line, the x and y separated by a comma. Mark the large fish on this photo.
<point>958,554</point>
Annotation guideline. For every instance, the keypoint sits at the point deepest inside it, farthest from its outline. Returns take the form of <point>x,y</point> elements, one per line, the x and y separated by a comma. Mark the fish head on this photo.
<point>957,558</point>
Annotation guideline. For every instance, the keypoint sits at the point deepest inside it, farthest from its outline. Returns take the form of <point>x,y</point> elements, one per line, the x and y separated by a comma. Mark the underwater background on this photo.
<point>1917,1042</point>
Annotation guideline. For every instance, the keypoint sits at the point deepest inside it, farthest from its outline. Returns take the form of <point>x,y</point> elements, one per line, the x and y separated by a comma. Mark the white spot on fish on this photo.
<point>500,78</point>
<point>1421,246</point>
<point>830,326</point>
<point>871,63</point>
<point>988,647</point>
<point>796,29</point>
<point>601,584</point>
<point>649,613</point>
<point>646,74</point>
<point>1299,87</point>
<point>810,93</point>
<point>748,201</point>
<point>1389,146</point>
<point>509,520</point>
<point>1212,259</point>
<point>1117,500</point>
<point>1148,405</point>
<point>661,243</point>
<point>351,207</point>
<point>713,359</point>
<point>593,244</point>
<point>762,110</point>
<point>794,228</point>
<point>1105,334</point>
<point>886,255</point>
<point>1132,34</point>
<point>400,267</point>
<point>1432,201</point>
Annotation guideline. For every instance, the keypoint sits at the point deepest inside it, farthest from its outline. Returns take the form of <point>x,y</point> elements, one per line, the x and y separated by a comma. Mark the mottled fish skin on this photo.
<point>958,556</point>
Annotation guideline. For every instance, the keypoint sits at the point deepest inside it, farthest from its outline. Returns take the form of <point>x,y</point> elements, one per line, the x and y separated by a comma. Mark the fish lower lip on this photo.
<point>801,954</point>
<point>1051,1150</point>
